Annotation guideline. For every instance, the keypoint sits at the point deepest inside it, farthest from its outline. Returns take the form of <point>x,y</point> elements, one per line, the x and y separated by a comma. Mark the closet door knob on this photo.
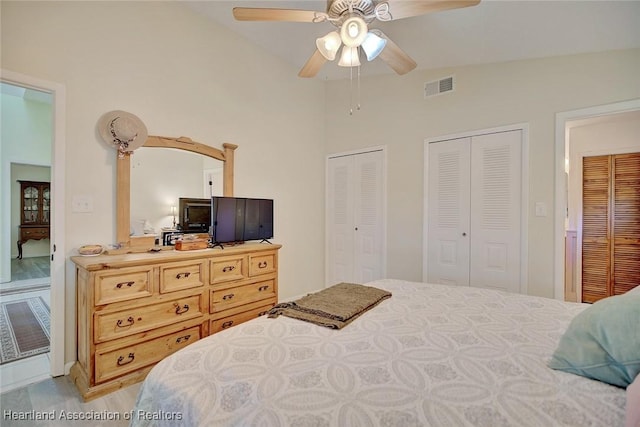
<point>464,234</point>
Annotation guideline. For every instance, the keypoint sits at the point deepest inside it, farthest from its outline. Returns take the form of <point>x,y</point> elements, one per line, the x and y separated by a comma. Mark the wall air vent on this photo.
<point>437,87</point>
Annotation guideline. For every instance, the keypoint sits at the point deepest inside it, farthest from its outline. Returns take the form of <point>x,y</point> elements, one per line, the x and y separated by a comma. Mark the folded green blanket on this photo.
<point>334,307</point>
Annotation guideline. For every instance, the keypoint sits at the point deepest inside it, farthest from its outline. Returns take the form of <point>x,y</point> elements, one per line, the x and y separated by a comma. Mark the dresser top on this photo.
<point>101,262</point>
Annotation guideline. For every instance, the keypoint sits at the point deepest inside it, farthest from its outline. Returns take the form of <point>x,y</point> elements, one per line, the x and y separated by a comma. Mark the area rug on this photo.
<point>24,329</point>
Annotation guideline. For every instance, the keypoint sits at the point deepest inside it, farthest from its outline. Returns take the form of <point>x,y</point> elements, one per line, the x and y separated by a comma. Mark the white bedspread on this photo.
<point>431,355</point>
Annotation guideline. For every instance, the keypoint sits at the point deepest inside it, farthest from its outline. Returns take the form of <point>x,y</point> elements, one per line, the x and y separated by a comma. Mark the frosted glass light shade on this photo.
<point>353,31</point>
<point>349,57</point>
<point>373,45</point>
<point>329,45</point>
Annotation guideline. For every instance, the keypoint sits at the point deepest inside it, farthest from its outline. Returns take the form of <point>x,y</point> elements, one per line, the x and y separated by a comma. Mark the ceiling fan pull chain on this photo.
<point>351,91</point>
<point>358,104</point>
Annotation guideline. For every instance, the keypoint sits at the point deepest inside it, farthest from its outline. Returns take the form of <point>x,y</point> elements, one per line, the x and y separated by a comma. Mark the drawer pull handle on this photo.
<point>228,268</point>
<point>262,313</point>
<point>121,284</point>
<point>130,358</point>
<point>227,324</point>
<point>181,275</point>
<point>228,296</point>
<point>181,339</point>
<point>263,288</point>
<point>263,264</point>
<point>181,310</point>
<point>129,319</point>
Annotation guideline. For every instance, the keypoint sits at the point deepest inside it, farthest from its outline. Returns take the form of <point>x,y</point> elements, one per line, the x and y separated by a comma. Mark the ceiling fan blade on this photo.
<point>399,9</point>
<point>395,57</point>
<point>313,65</point>
<point>289,15</point>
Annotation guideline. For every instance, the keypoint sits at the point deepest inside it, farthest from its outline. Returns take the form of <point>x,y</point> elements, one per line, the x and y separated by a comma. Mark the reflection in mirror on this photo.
<point>159,177</point>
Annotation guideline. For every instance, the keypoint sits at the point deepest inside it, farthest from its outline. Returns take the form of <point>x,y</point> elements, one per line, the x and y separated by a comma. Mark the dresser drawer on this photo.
<point>123,284</point>
<point>262,264</point>
<point>229,268</point>
<point>223,299</point>
<point>218,325</point>
<point>109,326</point>
<point>113,363</point>
<point>183,275</point>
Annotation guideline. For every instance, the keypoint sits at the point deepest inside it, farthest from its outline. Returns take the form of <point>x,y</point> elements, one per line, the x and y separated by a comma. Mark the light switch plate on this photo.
<point>82,204</point>
<point>541,209</point>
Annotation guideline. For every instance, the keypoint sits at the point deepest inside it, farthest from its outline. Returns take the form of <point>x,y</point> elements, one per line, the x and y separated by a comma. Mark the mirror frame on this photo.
<point>123,176</point>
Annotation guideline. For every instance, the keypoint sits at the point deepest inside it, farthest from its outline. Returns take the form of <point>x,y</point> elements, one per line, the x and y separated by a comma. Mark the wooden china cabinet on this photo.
<point>35,212</point>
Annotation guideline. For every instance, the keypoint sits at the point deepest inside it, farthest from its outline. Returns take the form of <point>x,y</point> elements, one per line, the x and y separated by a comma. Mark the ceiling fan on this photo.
<point>352,18</point>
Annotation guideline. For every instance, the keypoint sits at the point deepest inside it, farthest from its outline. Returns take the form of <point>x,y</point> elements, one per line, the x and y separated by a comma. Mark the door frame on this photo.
<point>561,202</point>
<point>524,196</point>
<point>57,233</point>
<point>383,149</point>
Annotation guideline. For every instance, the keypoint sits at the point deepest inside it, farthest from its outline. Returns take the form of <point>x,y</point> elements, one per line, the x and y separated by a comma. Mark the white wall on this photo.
<point>25,137</point>
<point>183,76</point>
<point>395,113</point>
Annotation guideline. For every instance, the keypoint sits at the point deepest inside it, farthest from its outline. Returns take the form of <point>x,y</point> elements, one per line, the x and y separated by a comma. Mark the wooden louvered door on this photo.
<point>610,225</point>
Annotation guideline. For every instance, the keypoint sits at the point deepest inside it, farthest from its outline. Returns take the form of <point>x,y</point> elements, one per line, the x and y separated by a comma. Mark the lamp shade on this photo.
<point>373,45</point>
<point>349,57</point>
<point>353,31</point>
<point>329,45</point>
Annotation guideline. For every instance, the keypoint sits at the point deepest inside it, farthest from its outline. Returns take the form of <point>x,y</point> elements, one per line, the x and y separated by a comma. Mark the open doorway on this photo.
<point>600,130</point>
<point>32,150</point>
<point>603,218</point>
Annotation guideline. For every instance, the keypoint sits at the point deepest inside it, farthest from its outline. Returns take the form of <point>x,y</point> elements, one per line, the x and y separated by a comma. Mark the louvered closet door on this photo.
<point>626,223</point>
<point>340,209</point>
<point>449,209</point>
<point>610,225</point>
<point>368,217</point>
<point>596,268</point>
<point>496,174</point>
<point>474,211</point>
<point>355,218</point>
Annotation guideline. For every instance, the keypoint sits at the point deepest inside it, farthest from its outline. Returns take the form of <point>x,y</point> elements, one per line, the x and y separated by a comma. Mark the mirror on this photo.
<point>123,176</point>
<point>160,177</point>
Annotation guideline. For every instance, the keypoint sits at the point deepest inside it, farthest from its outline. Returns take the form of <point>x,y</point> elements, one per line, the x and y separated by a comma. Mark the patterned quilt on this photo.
<point>431,355</point>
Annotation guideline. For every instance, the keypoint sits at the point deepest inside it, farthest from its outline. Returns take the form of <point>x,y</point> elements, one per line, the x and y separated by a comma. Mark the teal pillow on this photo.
<point>603,341</point>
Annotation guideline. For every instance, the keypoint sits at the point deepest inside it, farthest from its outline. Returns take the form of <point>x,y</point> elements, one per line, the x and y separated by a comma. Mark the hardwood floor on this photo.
<point>58,397</point>
<point>30,268</point>
<point>28,274</point>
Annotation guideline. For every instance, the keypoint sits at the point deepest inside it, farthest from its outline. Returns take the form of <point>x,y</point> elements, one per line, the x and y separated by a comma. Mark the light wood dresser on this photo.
<point>135,309</point>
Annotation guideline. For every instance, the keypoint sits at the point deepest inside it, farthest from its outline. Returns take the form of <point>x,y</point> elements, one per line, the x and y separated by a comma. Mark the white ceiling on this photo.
<point>493,31</point>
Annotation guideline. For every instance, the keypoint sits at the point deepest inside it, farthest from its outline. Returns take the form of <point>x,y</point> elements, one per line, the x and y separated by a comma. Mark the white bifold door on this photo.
<point>474,211</point>
<point>355,218</point>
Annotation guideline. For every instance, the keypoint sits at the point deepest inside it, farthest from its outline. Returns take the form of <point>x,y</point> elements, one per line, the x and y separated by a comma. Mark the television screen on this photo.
<point>236,219</point>
<point>195,215</point>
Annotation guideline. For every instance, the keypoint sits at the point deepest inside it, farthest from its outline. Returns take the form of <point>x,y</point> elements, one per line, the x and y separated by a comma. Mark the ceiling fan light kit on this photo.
<point>373,45</point>
<point>329,45</point>
<point>349,57</point>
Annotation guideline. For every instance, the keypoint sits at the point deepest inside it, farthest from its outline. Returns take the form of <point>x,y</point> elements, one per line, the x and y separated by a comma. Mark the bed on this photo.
<point>431,355</point>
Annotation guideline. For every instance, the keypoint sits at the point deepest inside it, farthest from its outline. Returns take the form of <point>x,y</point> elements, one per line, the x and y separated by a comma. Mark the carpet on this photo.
<point>24,329</point>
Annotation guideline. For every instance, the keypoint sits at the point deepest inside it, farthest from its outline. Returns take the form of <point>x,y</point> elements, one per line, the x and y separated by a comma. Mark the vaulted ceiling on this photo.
<point>493,31</point>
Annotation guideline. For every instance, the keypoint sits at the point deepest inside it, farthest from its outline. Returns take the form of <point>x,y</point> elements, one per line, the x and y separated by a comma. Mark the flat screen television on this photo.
<point>240,219</point>
<point>194,215</point>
